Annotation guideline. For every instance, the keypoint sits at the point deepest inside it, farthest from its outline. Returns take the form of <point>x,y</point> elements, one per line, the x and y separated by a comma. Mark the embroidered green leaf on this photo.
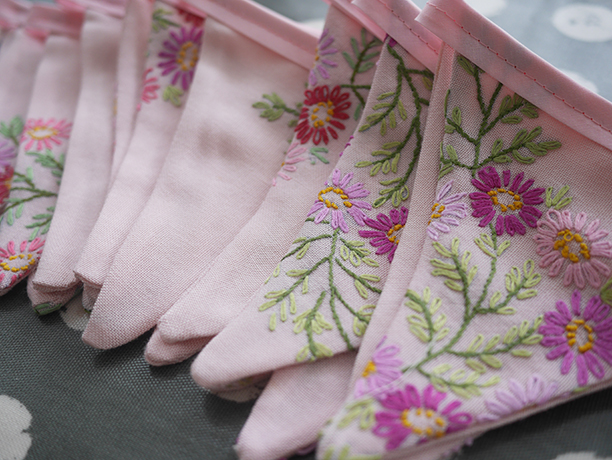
<point>305,285</point>
<point>452,153</point>
<point>467,65</point>
<point>302,252</point>
<point>492,381</point>
<point>292,304</point>
<point>521,353</point>
<point>529,110</point>
<point>303,354</point>
<point>495,298</point>
<point>497,147</point>
<point>527,294</point>
<point>456,115</point>
<point>453,285</point>
<point>349,59</point>
<point>448,129</point>
<point>476,343</point>
<point>506,311</point>
<point>441,369</point>
<point>363,292</point>
<point>441,249</point>
<point>476,366</point>
<point>419,332</point>
<point>272,325</point>
<point>502,247</point>
<point>173,95</point>
<point>532,340</point>
<point>160,20</point>
<point>521,159</point>
<point>491,361</point>
<point>274,294</point>
<point>427,82</point>
<point>362,164</point>
<point>375,169</point>
<point>439,322</point>
<point>10,219</point>
<point>315,153</point>
<point>296,273</point>
<point>444,171</point>
<point>267,305</point>
<point>492,343</point>
<point>370,262</point>
<point>511,335</point>
<point>401,109</point>
<point>502,159</point>
<point>512,120</point>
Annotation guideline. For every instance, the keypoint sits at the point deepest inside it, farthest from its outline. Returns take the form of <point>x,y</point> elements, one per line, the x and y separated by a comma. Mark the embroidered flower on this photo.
<point>410,413</point>
<point>338,197</point>
<point>180,55</point>
<point>292,157</point>
<point>445,212</point>
<point>381,370</point>
<point>15,265</point>
<point>323,49</point>
<point>320,114</point>
<point>7,153</point>
<point>45,134</point>
<point>579,337</point>
<point>511,199</point>
<point>562,241</point>
<point>194,19</point>
<point>386,236</point>
<point>347,145</point>
<point>518,397</point>
<point>149,87</point>
<point>6,176</point>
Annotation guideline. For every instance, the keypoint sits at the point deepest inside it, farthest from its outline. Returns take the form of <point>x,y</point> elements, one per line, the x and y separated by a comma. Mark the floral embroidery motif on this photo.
<point>381,370</point>
<point>561,239</point>
<point>323,49</point>
<point>410,413</point>
<point>339,196</point>
<point>388,228</point>
<point>194,19</point>
<point>518,397</point>
<point>6,176</point>
<point>320,114</point>
<point>7,154</point>
<point>291,159</point>
<point>181,55</point>
<point>149,87</point>
<point>42,134</point>
<point>579,336</point>
<point>445,212</point>
<point>492,195</point>
<point>15,265</point>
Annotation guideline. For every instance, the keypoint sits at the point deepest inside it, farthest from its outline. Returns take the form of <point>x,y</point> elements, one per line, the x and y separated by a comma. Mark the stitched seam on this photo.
<point>522,71</point>
<point>408,27</point>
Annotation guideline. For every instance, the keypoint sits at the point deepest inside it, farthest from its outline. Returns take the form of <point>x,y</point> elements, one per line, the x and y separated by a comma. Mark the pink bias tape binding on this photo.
<point>553,370</point>
<point>200,147</point>
<point>162,91</point>
<point>87,166</point>
<point>13,14</point>
<point>43,142</point>
<point>236,274</point>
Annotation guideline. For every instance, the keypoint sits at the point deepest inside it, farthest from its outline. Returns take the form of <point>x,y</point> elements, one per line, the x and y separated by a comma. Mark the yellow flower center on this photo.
<point>516,204</point>
<point>322,113</point>
<point>565,242</point>
<point>394,238</point>
<point>579,329</point>
<point>369,369</point>
<point>424,422</point>
<point>18,262</point>
<point>187,57</point>
<point>436,212</point>
<point>42,132</point>
<point>338,191</point>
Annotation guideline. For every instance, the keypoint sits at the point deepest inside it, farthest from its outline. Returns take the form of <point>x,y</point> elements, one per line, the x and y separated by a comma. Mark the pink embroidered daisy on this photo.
<point>149,87</point>
<point>581,337</point>
<point>45,134</point>
<point>445,212</point>
<point>291,159</point>
<point>15,265</point>
<point>323,49</point>
<point>562,241</point>
<point>338,197</point>
<point>509,200</point>
<point>518,397</point>
<point>181,55</point>
<point>420,415</point>
<point>381,370</point>
<point>388,228</point>
<point>321,113</point>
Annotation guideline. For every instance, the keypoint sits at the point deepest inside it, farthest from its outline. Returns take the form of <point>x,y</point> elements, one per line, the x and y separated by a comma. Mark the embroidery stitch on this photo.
<point>322,52</point>
<point>445,212</point>
<point>320,114</point>
<point>180,56</point>
<point>277,109</point>
<point>42,134</point>
<point>387,231</point>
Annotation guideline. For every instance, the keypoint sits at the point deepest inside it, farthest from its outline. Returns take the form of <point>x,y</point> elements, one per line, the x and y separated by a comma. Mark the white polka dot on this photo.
<point>74,315</point>
<point>587,23</point>
<point>488,7</point>
<point>581,456</point>
<point>588,84</point>
<point>14,420</point>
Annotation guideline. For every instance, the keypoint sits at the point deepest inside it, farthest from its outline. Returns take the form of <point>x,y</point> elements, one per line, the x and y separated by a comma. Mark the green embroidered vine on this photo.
<point>362,60</point>
<point>12,131</point>
<point>385,116</point>
<point>312,321</point>
<point>160,21</point>
<point>509,112</point>
<point>25,183</point>
<point>277,109</point>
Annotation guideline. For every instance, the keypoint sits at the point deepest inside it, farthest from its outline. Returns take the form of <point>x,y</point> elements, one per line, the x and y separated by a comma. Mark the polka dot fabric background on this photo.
<point>62,399</point>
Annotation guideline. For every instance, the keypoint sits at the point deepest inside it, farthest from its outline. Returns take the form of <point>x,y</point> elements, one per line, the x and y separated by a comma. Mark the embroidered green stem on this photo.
<point>277,109</point>
<point>160,21</point>
<point>12,131</point>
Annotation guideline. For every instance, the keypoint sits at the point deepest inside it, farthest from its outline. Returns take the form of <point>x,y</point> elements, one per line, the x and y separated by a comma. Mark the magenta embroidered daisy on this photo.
<point>563,241</point>
<point>15,262</point>
<point>445,212</point>
<point>321,114</point>
<point>338,197</point>
<point>181,55</point>
<point>507,199</point>
<point>410,413</point>
<point>45,134</point>
<point>519,397</point>
<point>385,237</point>
<point>321,62</point>
<point>381,370</point>
<point>579,337</point>
<point>7,153</point>
<point>291,159</point>
<point>149,87</point>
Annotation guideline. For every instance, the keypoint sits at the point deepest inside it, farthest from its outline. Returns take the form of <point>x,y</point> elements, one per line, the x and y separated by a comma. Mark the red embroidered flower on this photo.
<point>321,113</point>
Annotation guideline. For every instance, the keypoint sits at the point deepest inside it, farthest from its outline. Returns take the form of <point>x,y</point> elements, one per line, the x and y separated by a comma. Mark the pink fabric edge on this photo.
<point>260,24</point>
<point>518,68</point>
<point>13,13</point>
<point>45,19</point>
<point>114,8</point>
<point>350,10</point>
<point>397,18</point>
